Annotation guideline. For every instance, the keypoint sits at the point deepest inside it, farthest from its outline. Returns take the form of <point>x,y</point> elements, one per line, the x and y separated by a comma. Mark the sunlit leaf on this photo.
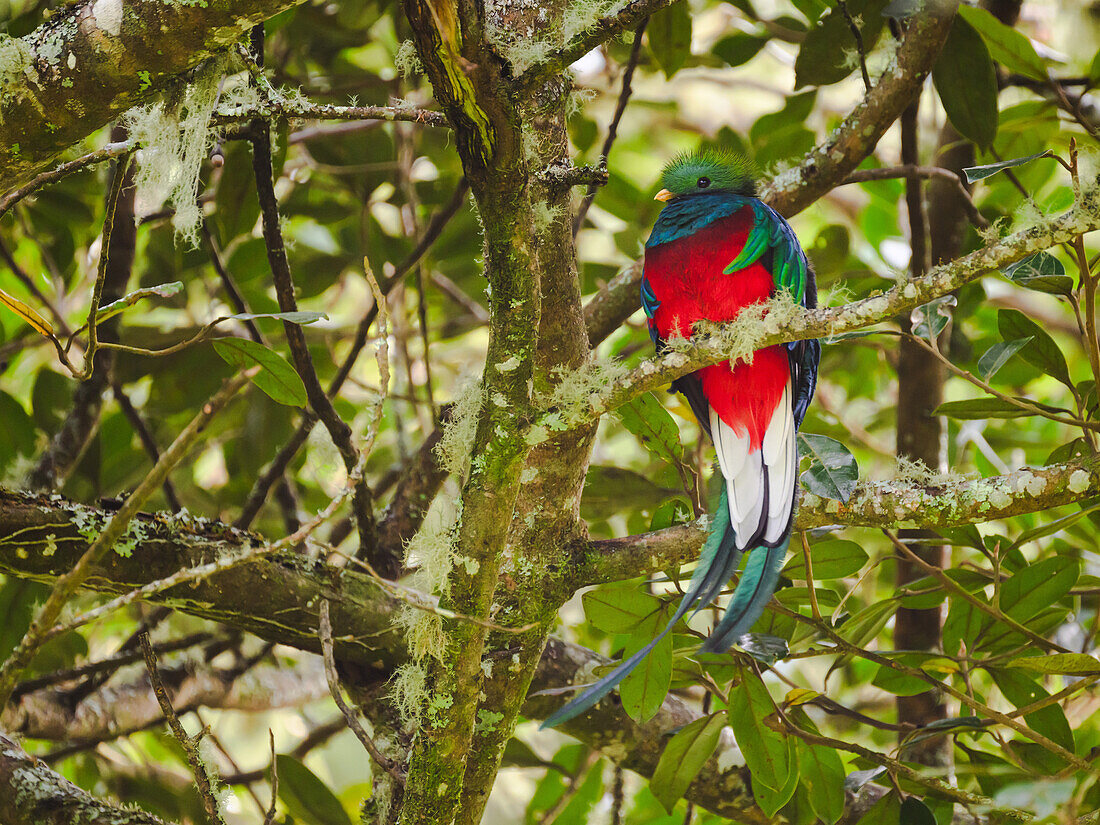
<point>1007,46</point>
<point>37,322</point>
<point>1071,664</point>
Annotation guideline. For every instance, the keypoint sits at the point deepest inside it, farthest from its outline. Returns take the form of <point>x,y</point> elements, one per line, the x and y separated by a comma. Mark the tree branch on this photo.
<point>753,331</point>
<point>75,72</point>
<point>955,500</point>
<point>630,16</point>
<point>282,586</point>
<point>31,792</point>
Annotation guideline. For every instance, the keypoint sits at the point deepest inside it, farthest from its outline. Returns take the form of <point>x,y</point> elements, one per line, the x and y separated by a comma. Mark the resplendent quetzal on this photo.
<point>715,249</point>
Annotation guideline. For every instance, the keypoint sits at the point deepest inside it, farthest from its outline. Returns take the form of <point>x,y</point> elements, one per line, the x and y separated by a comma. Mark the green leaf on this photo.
<point>619,608</point>
<point>1042,351</point>
<point>612,490</point>
<point>683,758</point>
<point>915,812</point>
<point>1052,527</point>
<point>1094,69</point>
<point>307,797</point>
<point>978,408</point>
<point>518,753</point>
<point>1041,272</point>
<point>822,771</point>
<point>115,307</point>
<point>1007,46</point>
<point>823,56</point>
<point>1021,690</point>
<point>930,319</point>
<point>976,173</point>
<point>997,356</point>
<point>298,317</point>
<point>276,377</point>
<point>771,800</point>
<point>669,34</point>
<point>16,431</point>
<point>866,624</point>
<point>739,48</point>
<point>644,690</point>
<point>833,559</point>
<point>652,425</point>
<point>901,684</point>
<point>1070,664</point>
<point>971,106</point>
<point>833,470</point>
<point>765,750</point>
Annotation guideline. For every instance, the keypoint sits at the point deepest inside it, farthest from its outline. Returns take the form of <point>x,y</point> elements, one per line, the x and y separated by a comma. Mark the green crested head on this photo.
<point>693,173</point>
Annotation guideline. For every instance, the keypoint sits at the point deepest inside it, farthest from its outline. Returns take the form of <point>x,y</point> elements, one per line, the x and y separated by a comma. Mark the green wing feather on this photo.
<point>770,231</point>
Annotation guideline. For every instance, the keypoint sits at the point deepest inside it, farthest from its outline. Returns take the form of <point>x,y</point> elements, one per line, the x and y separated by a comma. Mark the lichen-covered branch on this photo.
<point>31,792</point>
<point>281,587</point>
<point>858,134</point>
<point>95,59</point>
<point>825,166</point>
<point>940,502</point>
<point>599,31</point>
<point>780,321</point>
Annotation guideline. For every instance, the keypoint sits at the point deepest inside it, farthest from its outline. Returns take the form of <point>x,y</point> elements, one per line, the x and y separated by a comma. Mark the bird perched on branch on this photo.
<point>715,249</point>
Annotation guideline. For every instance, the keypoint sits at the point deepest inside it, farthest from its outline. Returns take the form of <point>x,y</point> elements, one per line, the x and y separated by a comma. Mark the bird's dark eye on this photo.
<point>703,183</point>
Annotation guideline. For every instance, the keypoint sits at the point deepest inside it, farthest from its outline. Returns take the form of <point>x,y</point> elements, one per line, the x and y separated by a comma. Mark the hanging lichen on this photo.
<point>174,134</point>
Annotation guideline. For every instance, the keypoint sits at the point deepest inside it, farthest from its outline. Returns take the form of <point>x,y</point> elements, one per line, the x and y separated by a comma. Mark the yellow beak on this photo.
<point>663,195</point>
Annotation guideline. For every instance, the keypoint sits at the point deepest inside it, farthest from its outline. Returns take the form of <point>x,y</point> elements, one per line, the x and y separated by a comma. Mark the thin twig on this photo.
<point>269,816</point>
<point>293,539</point>
<point>957,590</point>
<point>108,152</point>
<point>42,627</point>
<point>101,274</point>
<point>613,128</point>
<point>324,630</point>
<point>858,35</point>
<point>319,401</point>
<point>275,470</point>
<point>190,744</point>
<point>913,171</point>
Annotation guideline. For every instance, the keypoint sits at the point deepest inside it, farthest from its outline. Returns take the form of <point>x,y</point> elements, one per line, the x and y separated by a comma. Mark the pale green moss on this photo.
<point>174,135</point>
<point>407,61</point>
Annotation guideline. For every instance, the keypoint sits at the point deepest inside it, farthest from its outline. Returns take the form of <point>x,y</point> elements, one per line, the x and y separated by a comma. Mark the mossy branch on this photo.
<point>783,322</point>
<point>31,792</point>
<point>943,503</point>
<point>76,72</point>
